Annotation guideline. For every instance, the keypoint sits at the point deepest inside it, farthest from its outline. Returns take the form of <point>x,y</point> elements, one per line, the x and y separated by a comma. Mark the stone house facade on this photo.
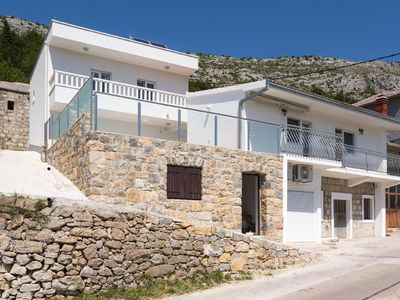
<point>123,169</point>
<point>360,228</point>
<point>14,116</point>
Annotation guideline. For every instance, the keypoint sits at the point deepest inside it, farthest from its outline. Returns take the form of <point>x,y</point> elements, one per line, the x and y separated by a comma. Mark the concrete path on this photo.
<point>24,173</point>
<point>358,269</point>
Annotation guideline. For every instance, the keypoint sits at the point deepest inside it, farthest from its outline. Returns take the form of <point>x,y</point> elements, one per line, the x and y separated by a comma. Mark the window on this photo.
<point>184,183</point>
<point>393,197</point>
<point>368,207</point>
<point>299,133</point>
<point>145,94</point>
<point>10,105</point>
<point>101,86</point>
<point>293,134</point>
<point>347,139</point>
<point>146,84</point>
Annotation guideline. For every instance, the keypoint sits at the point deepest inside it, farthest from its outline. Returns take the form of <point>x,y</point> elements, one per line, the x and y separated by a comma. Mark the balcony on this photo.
<point>316,144</point>
<point>63,86</point>
<point>145,112</point>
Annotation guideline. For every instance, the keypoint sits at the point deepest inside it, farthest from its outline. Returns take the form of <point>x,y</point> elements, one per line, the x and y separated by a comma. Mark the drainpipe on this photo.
<point>241,102</point>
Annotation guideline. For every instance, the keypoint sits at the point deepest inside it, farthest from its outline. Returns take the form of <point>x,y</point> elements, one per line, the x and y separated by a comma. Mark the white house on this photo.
<point>335,162</point>
<point>122,69</point>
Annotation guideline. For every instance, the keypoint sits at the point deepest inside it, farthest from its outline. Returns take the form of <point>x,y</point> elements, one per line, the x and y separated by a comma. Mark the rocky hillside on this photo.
<point>21,26</point>
<point>348,84</point>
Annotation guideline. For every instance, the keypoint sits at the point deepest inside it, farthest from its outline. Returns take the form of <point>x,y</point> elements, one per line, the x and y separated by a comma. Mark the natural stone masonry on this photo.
<point>14,124</point>
<point>85,248</point>
<point>133,170</point>
<point>337,185</point>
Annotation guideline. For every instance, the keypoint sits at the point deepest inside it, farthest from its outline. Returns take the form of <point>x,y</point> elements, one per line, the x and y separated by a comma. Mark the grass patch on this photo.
<point>13,209</point>
<point>153,289</point>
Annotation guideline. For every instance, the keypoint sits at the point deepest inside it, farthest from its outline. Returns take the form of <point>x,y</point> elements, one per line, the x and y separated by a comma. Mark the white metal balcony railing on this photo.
<point>117,88</point>
<point>326,145</point>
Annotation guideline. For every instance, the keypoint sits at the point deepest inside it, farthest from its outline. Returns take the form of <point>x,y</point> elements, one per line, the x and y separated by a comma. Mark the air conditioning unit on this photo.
<point>302,173</point>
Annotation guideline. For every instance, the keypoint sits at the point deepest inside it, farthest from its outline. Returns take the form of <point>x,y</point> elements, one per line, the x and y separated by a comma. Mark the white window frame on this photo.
<point>372,207</point>
<point>146,82</point>
<point>347,131</point>
<point>301,122</point>
<point>101,72</point>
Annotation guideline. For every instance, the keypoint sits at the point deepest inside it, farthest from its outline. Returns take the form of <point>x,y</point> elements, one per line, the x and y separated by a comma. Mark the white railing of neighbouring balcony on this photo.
<point>76,81</point>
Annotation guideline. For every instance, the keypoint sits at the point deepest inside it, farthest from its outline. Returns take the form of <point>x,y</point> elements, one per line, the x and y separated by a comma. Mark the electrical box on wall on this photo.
<point>302,173</point>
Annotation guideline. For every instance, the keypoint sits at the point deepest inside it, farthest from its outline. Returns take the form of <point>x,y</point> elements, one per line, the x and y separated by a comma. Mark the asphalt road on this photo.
<point>358,269</point>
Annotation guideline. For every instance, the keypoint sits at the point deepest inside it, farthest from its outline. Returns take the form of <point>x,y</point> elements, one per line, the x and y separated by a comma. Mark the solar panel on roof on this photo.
<point>159,45</point>
<point>148,42</point>
<point>140,40</point>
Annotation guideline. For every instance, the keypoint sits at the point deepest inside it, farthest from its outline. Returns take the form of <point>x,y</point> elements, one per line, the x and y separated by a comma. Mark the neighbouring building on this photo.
<point>256,157</point>
<point>335,163</point>
<point>14,115</point>
<point>388,105</point>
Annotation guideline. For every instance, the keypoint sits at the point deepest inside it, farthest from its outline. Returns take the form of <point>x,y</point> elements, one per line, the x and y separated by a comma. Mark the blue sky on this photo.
<point>350,29</point>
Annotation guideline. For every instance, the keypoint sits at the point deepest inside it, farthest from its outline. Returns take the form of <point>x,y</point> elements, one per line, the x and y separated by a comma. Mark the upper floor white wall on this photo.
<point>38,101</point>
<point>80,63</point>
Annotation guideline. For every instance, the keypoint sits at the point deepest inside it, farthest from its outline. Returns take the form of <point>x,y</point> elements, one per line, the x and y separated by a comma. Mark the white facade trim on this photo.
<point>372,204</point>
<point>349,213</point>
<point>121,38</point>
<point>284,197</point>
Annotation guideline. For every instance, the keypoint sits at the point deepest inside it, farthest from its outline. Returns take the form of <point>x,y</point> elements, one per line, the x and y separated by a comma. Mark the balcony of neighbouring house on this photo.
<point>64,85</point>
<point>320,147</point>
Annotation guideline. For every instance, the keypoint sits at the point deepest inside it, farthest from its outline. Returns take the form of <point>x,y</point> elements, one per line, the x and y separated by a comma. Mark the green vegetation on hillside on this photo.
<point>18,53</point>
<point>154,289</point>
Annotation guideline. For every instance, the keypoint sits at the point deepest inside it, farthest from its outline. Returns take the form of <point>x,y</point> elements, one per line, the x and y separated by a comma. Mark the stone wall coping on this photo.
<point>108,208</point>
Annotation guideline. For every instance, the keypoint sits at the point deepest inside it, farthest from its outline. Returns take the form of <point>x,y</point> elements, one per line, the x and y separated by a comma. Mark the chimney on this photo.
<point>381,104</point>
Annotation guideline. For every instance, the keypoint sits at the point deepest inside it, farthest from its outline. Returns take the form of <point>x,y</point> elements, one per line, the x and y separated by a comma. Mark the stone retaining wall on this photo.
<point>95,249</point>
<point>125,169</point>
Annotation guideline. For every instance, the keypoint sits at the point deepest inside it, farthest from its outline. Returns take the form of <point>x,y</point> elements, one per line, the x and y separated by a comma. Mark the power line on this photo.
<point>337,68</point>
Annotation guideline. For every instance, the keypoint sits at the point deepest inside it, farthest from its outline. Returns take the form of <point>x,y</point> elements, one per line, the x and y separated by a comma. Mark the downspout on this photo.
<point>241,102</point>
<point>46,83</point>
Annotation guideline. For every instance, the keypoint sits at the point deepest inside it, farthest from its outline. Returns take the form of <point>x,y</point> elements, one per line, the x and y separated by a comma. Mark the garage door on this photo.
<point>300,217</point>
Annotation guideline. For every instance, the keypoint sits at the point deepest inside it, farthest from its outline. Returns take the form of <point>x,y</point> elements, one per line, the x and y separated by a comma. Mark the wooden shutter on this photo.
<point>175,182</point>
<point>193,183</point>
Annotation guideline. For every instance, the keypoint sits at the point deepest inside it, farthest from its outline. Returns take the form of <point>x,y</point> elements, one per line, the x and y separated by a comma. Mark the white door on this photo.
<point>300,217</point>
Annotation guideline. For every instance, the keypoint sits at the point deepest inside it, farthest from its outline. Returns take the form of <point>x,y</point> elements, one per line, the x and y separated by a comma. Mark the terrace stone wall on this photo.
<point>123,169</point>
<point>88,248</point>
<point>337,185</point>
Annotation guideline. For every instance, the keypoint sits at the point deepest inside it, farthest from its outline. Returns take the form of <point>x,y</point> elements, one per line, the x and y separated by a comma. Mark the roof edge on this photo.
<point>337,103</point>
<point>119,37</point>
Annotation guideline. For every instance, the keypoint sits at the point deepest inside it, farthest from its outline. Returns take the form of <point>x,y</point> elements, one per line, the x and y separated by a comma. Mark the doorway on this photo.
<point>342,224</point>
<point>251,203</point>
<point>340,218</point>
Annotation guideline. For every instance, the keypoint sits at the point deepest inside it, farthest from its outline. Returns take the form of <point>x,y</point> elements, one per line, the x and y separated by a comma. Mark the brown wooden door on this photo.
<point>340,218</point>
<point>392,218</point>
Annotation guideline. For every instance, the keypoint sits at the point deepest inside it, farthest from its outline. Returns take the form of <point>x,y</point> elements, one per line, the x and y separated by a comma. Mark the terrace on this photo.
<point>143,112</point>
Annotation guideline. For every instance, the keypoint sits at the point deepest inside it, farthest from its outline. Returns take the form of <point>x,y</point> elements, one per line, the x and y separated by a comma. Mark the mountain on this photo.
<point>21,40</point>
<point>347,84</point>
